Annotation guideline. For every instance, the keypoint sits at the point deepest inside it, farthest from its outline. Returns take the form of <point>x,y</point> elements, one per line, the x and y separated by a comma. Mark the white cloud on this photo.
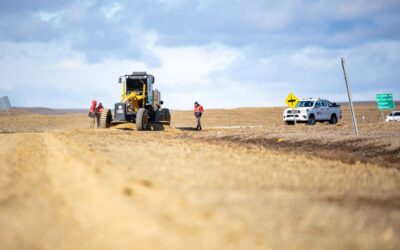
<point>192,64</point>
<point>48,16</point>
<point>347,10</point>
<point>216,75</point>
<point>316,58</point>
<point>182,70</point>
<point>356,8</point>
<point>272,15</point>
<point>110,11</point>
<point>221,53</point>
<point>172,4</point>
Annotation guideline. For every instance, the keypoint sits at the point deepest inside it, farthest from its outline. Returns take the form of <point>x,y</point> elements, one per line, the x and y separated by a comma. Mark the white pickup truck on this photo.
<point>312,110</point>
<point>393,116</point>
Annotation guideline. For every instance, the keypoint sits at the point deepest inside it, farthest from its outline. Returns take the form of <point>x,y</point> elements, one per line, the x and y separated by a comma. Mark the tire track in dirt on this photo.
<point>179,223</point>
<point>93,199</point>
<point>58,201</point>
<point>30,210</point>
<point>66,196</point>
<point>125,210</point>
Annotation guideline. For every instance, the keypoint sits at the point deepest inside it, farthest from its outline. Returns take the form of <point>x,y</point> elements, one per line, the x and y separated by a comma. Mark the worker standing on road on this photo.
<point>92,113</point>
<point>198,112</point>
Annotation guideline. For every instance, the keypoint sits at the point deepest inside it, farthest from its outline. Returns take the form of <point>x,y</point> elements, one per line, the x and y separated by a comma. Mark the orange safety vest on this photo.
<point>93,106</point>
<point>198,109</point>
<point>100,109</point>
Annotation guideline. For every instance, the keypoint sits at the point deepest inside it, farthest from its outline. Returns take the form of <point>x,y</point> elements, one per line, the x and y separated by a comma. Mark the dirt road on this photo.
<point>121,189</point>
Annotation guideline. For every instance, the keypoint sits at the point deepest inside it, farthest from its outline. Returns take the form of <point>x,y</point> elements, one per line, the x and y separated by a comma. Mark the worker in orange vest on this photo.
<point>100,107</point>
<point>198,112</point>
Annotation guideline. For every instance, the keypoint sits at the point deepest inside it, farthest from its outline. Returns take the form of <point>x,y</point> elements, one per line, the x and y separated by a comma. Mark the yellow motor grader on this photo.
<point>140,103</point>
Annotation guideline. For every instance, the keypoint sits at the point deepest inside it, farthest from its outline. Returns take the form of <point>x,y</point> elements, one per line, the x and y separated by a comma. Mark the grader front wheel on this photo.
<point>142,119</point>
<point>105,119</point>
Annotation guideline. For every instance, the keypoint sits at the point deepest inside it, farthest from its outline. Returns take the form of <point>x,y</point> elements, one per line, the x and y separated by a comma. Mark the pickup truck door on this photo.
<point>318,111</point>
<point>325,110</point>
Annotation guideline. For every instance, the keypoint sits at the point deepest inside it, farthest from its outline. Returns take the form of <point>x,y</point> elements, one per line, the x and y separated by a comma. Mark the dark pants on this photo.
<point>198,118</point>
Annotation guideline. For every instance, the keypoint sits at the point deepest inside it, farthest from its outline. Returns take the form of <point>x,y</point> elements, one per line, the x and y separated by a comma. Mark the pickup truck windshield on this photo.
<point>303,104</point>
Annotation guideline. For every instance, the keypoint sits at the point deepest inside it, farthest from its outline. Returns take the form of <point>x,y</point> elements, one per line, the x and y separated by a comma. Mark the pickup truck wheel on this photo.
<point>333,119</point>
<point>311,120</point>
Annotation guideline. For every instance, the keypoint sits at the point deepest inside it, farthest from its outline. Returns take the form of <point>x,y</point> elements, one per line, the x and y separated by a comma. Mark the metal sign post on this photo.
<point>384,102</point>
<point>294,117</point>
<point>353,116</point>
<point>5,105</point>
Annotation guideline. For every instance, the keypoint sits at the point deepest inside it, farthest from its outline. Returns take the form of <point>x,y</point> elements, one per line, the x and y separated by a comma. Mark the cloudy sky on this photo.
<point>222,53</point>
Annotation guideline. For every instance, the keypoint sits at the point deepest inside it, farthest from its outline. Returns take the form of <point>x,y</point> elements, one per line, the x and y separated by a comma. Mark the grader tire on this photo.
<point>166,116</point>
<point>105,119</point>
<point>142,119</point>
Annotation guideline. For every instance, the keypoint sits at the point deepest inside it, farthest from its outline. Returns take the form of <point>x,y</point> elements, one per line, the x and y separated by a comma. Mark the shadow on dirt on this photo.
<point>151,127</point>
<point>186,128</point>
<point>156,127</point>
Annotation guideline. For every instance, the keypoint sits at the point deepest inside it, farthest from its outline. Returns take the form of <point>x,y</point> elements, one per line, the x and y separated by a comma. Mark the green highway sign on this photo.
<point>384,101</point>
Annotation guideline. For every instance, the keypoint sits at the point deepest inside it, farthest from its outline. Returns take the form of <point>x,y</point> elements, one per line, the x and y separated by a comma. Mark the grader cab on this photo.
<point>140,103</point>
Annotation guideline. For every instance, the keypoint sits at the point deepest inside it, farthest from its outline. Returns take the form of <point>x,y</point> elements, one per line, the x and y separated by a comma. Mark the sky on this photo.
<point>221,53</point>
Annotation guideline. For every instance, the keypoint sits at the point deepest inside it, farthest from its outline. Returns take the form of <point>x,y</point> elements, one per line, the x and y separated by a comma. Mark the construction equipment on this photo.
<point>140,104</point>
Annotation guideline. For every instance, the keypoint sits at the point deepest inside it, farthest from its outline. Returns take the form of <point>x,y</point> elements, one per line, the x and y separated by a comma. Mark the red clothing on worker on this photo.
<point>198,112</point>
<point>100,108</point>
<point>198,109</point>
<point>93,106</point>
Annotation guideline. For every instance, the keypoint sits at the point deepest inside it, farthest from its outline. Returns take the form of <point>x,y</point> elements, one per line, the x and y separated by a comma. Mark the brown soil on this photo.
<point>264,186</point>
<point>381,151</point>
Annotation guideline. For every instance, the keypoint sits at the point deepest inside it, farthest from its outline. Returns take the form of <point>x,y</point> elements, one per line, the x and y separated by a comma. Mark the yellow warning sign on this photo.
<point>291,100</point>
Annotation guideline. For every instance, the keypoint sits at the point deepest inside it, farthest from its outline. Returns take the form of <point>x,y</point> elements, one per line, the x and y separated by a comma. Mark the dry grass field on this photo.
<point>246,182</point>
